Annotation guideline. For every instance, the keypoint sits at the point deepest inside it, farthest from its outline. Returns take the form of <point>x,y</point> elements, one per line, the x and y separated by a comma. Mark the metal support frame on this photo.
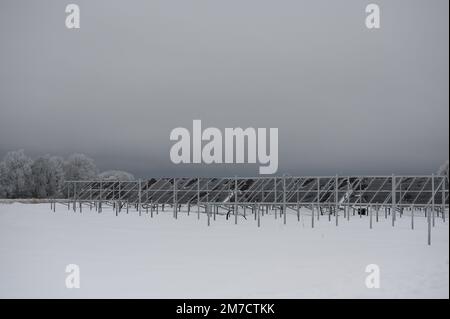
<point>317,193</point>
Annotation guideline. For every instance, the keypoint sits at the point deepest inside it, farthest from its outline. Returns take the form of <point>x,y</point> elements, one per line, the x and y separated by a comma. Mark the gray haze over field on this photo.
<point>346,99</point>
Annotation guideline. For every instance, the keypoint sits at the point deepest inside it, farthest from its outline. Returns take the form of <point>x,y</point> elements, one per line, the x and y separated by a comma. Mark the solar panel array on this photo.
<point>285,190</point>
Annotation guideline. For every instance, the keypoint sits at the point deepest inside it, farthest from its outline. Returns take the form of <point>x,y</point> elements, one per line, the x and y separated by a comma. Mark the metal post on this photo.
<point>235,200</point>
<point>175,204</point>
<point>348,199</point>
<point>90,196</point>
<point>360,197</point>
<point>432,199</point>
<point>275,198</point>
<point>393,200</point>
<point>318,199</point>
<point>336,199</point>
<point>443,199</point>
<point>120,199</point>
<point>100,195</point>
<point>429,226</point>
<point>259,215</point>
<point>198,198</point>
<point>284,200</point>
<point>140,194</point>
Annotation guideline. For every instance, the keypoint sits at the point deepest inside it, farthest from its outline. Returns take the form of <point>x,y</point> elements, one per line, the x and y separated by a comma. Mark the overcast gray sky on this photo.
<point>346,99</point>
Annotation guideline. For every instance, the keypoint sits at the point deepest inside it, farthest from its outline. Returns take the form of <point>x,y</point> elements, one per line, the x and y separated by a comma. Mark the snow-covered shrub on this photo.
<point>443,170</point>
<point>114,175</point>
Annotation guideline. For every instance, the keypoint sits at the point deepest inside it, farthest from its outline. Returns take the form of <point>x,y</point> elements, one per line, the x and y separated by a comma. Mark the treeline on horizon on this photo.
<point>44,176</point>
<point>22,177</point>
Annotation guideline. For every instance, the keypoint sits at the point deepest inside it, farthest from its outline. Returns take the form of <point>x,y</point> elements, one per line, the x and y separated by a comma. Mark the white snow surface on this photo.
<point>132,256</point>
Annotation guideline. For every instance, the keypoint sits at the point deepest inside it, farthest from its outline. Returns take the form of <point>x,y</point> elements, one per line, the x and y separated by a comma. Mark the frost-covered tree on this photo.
<point>57,182</point>
<point>443,170</point>
<point>48,176</point>
<point>15,174</point>
<point>79,167</point>
<point>2,180</point>
<point>116,176</point>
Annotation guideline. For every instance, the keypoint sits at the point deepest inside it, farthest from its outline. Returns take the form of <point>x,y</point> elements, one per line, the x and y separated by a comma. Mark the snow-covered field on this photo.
<point>136,256</point>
